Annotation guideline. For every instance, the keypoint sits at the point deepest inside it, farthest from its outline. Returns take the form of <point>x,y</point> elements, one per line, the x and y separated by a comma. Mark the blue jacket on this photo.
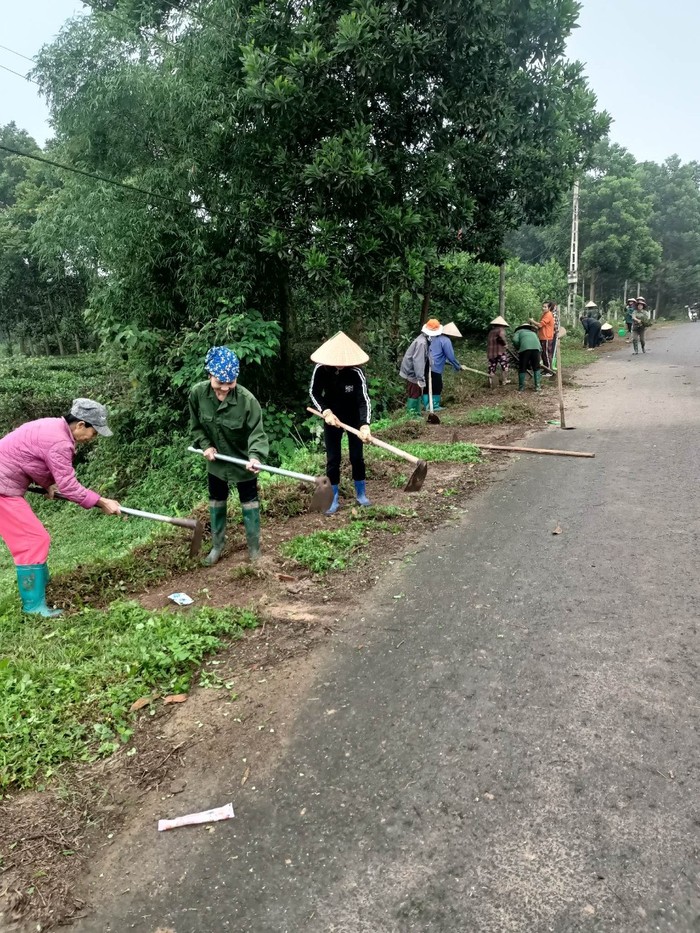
<point>441,352</point>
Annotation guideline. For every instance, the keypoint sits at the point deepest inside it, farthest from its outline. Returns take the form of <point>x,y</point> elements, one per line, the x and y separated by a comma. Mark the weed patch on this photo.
<point>66,686</point>
<point>459,452</point>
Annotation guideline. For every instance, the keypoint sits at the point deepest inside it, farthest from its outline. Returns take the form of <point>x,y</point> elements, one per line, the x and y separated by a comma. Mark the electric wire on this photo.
<point>94,175</point>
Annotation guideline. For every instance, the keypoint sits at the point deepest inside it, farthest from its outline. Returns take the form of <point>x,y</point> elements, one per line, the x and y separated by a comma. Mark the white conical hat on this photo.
<point>563,332</point>
<point>606,326</point>
<point>340,350</point>
<point>451,330</point>
<point>591,304</point>
<point>501,321</point>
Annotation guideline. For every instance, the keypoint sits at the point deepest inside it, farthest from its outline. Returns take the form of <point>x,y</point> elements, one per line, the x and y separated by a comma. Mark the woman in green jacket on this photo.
<point>227,419</point>
<point>527,342</point>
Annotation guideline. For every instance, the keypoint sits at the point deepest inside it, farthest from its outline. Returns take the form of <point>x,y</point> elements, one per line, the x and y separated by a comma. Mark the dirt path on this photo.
<point>503,736</point>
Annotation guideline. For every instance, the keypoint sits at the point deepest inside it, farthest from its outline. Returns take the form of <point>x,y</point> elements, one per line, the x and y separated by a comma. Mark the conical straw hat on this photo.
<point>501,321</point>
<point>340,350</point>
<point>451,330</point>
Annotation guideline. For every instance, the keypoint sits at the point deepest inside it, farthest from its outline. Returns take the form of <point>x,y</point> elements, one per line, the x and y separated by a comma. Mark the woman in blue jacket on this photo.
<point>441,353</point>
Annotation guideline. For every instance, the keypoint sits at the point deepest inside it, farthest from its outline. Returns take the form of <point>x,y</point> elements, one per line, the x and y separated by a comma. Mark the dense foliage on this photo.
<point>312,166</point>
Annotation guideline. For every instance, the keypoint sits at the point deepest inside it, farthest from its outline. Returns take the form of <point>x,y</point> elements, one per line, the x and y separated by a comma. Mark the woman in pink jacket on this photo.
<point>42,452</point>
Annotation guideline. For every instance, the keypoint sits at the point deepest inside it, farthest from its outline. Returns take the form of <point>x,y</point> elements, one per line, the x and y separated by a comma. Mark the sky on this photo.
<point>641,59</point>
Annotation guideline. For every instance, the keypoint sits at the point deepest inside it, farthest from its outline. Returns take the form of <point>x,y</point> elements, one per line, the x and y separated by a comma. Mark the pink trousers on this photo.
<point>27,539</point>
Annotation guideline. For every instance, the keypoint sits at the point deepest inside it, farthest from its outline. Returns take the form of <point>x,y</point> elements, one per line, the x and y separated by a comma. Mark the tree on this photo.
<point>331,151</point>
<point>674,190</point>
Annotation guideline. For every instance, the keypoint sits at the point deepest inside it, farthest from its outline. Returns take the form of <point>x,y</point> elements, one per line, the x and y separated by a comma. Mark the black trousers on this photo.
<point>436,382</point>
<point>528,359</point>
<point>333,438</point>
<point>219,489</point>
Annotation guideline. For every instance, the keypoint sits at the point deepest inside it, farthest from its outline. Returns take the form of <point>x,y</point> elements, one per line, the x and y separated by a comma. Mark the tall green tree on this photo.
<point>329,152</point>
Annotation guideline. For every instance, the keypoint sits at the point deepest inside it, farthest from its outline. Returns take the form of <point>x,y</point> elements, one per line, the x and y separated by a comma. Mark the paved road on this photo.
<point>516,746</point>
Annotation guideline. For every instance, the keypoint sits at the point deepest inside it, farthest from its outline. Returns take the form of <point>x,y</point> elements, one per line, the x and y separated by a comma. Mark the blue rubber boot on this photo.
<point>335,504</point>
<point>31,581</point>
<point>436,403</point>
<point>426,402</point>
<point>360,493</point>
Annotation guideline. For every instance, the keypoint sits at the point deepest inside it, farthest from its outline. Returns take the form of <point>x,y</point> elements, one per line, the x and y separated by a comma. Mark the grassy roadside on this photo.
<point>69,683</point>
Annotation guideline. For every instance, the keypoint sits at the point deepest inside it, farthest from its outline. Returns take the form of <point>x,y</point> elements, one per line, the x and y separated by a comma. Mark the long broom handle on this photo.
<point>373,440</point>
<point>304,477</point>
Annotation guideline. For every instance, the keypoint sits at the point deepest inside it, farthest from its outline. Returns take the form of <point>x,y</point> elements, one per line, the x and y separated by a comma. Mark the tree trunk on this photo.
<point>502,290</point>
<point>45,342</point>
<point>657,307</point>
<point>427,291</point>
<point>77,344</point>
<point>287,323</point>
<point>591,297</point>
<point>59,341</point>
<point>395,323</point>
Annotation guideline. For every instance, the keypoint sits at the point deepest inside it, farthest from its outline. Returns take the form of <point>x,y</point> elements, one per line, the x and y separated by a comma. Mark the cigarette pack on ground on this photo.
<point>192,819</point>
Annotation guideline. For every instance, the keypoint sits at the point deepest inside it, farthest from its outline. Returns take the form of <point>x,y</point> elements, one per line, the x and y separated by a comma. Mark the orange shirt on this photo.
<point>546,326</point>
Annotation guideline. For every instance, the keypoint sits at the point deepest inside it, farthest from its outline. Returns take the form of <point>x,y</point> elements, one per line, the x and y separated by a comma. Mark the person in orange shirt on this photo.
<point>546,328</point>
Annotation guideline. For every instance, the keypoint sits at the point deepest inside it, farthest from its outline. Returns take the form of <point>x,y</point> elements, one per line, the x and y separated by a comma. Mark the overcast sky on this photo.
<point>641,58</point>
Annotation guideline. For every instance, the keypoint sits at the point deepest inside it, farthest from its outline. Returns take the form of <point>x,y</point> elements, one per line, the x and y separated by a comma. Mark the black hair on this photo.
<point>71,419</point>
<point>551,305</point>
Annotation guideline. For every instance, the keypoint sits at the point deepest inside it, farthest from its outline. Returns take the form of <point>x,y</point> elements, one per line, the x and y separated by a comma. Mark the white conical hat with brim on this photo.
<point>451,330</point>
<point>591,304</point>
<point>499,321</point>
<point>340,350</point>
<point>606,326</point>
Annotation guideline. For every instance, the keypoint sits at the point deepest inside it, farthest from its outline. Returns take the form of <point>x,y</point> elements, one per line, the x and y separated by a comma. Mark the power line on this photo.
<point>108,181</point>
<point>19,75</point>
<point>18,54</point>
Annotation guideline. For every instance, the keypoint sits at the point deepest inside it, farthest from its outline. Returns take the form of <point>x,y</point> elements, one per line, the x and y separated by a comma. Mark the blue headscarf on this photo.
<point>222,363</point>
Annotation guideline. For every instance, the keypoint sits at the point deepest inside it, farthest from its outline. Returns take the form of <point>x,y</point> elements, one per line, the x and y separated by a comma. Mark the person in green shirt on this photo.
<point>227,419</point>
<point>527,342</point>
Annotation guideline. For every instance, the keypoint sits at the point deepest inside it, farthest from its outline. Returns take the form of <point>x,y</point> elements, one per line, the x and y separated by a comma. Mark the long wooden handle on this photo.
<point>477,371</point>
<point>430,389</point>
<point>268,469</point>
<point>533,450</point>
<point>373,440</point>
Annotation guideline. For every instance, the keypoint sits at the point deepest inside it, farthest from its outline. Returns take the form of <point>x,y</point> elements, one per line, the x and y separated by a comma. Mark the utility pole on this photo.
<point>573,260</point>
<point>502,291</point>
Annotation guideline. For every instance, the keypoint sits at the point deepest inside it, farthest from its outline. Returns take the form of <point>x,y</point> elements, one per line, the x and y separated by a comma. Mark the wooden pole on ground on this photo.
<point>560,385</point>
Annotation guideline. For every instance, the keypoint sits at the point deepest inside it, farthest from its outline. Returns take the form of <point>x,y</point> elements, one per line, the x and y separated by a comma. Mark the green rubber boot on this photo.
<point>521,381</point>
<point>31,581</point>
<point>413,407</point>
<point>251,521</point>
<point>436,403</point>
<point>217,515</point>
<point>538,380</point>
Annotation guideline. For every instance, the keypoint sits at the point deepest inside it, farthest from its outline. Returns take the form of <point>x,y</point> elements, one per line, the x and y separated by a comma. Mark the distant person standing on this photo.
<point>629,315</point>
<point>546,329</point>
<point>640,321</point>
<point>442,352</point>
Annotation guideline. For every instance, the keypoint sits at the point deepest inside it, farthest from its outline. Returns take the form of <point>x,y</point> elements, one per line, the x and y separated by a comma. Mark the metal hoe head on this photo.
<point>196,542</point>
<point>433,418</point>
<point>323,495</point>
<point>417,478</point>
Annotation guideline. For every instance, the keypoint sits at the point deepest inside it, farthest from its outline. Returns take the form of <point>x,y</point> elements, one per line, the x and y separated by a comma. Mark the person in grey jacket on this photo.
<point>414,365</point>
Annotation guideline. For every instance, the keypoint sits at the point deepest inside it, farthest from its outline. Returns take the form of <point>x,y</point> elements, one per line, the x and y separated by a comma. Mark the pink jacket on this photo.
<point>42,452</point>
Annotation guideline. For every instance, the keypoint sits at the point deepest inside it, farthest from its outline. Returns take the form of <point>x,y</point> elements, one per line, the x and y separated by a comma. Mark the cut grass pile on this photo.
<point>66,685</point>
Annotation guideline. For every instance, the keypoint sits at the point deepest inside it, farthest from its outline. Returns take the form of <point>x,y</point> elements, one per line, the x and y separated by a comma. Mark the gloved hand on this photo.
<point>365,433</point>
<point>330,418</point>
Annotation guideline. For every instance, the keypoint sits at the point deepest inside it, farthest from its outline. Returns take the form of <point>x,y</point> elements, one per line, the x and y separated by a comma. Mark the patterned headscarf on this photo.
<point>222,363</point>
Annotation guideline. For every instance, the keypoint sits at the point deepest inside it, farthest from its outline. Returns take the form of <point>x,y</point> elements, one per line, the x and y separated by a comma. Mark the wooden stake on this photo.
<point>560,385</point>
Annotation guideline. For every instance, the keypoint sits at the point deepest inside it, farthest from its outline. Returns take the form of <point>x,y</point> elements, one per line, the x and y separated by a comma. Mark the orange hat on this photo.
<point>432,328</point>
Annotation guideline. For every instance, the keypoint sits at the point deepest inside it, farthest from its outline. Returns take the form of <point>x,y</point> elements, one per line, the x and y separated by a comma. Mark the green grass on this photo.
<point>489,414</point>
<point>459,452</point>
<point>323,551</point>
<point>66,684</point>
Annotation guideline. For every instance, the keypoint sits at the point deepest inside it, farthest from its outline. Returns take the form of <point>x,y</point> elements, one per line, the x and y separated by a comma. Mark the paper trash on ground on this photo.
<point>206,816</point>
<point>182,599</point>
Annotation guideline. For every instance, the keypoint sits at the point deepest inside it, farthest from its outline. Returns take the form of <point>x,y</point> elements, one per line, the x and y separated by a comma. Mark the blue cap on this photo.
<point>222,363</point>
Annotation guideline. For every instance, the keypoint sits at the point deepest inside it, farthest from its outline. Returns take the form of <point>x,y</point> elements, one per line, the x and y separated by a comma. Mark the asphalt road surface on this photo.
<point>515,746</point>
